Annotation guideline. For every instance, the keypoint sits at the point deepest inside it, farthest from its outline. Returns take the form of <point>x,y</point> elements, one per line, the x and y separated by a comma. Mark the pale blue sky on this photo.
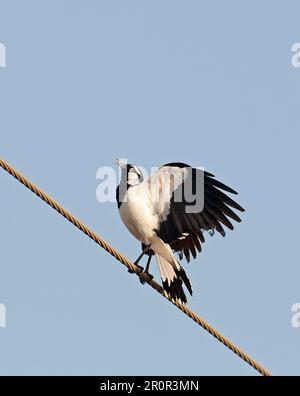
<point>205,82</point>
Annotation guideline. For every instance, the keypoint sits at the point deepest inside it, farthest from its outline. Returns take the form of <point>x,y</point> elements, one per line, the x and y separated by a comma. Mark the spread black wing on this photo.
<point>184,231</point>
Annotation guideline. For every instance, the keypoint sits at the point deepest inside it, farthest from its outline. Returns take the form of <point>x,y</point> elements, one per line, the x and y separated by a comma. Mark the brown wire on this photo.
<point>131,266</point>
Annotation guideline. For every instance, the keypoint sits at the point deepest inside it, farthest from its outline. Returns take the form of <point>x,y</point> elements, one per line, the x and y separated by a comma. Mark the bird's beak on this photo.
<point>120,163</point>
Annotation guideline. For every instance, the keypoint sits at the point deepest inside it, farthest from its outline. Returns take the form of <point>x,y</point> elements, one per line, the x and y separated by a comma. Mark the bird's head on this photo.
<point>130,173</point>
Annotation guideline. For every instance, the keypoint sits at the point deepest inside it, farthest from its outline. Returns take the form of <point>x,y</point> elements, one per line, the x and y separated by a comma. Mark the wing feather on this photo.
<point>182,230</point>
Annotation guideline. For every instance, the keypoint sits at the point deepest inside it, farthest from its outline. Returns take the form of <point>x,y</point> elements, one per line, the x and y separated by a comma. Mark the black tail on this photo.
<point>173,279</point>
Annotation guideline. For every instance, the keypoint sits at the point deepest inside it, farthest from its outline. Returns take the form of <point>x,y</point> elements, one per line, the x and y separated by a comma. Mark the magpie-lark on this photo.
<point>157,212</point>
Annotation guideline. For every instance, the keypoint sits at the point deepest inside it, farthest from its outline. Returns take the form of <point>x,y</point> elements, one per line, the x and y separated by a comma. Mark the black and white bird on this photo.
<point>163,224</point>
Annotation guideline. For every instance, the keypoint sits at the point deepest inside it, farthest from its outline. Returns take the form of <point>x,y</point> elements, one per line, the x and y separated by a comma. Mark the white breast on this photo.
<point>137,216</point>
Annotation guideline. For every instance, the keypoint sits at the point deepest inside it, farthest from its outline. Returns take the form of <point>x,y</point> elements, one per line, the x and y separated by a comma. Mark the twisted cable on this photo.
<point>132,267</point>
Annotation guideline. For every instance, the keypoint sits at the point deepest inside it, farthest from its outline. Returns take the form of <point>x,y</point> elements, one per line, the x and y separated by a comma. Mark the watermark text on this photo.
<point>2,315</point>
<point>296,316</point>
<point>2,55</point>
<point>170,183</point>
<point>295,60</point>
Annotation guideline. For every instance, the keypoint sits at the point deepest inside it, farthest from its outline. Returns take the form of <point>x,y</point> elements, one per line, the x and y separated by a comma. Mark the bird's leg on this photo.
<point>139,268</point>
<point>148,264</point>
<point>147,270</point>
<point>139,259</point>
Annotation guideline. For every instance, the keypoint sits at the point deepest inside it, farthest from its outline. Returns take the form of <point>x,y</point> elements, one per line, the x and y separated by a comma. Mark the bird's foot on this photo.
<point>149,278</point>
<point>138,268</point>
